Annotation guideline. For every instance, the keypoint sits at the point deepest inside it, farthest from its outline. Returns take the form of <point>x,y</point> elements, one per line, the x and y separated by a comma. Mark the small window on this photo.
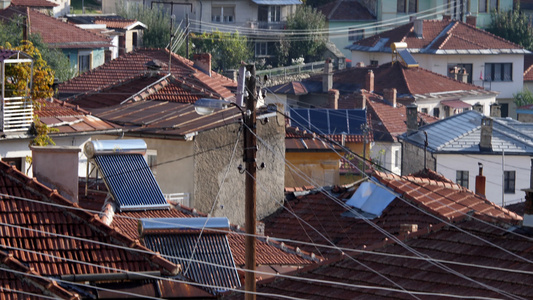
<point>261,49</point>
<point>397,158</point>
<point>436,112</point>
<point>274,13</point>
<point>401,6</point>
<point>373,63</point>
<point>14,161</point>
<point>223,14</point>
<point>424,110</point>
<point>355,34</point>
<point>461,178</point>
<point>151,159</point>
<point>84,63</point>
<point>498,72</point>
<point>483,6</point>
<point>413,6</point>
<point>509,179</point>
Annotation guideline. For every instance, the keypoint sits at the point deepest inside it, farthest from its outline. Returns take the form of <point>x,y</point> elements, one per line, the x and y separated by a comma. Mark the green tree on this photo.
<point>512,25</point>
<point>524,97</point>
<point>307,35</point>
<point>157,19</point>
<point>227,49</point>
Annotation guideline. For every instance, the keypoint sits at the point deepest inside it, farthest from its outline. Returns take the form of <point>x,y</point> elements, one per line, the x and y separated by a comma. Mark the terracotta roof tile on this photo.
<point>134,64</point>
<point>528,67</point>
<point>55,33</point>
<point>114,22</point>
<point>34,3</point>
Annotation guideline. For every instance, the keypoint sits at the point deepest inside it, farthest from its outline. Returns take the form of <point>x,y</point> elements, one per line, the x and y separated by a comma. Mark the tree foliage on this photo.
<point>512,25</point>
<point>522,98</point>
<point>11,33</point>
<point>157,19</point>
<point>307,39</point>
<point>227,49</point>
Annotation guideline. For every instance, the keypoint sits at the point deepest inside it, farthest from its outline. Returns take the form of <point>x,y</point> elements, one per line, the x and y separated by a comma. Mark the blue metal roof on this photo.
<point>131,182</point>
<point>329,121</point>
<point>206,259</point>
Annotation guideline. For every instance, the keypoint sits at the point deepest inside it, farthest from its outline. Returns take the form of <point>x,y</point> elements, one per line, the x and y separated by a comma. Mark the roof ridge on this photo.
<point>518,132</point>
<point>441,34</point>
<point>491,34</point>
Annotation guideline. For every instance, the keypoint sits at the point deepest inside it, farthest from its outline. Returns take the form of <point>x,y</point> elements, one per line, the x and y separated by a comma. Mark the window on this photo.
<point>84,63</point>
<point>436,112</point>
<point>135,40</point>
<point>461,178</point>
<point>401,5</point>
<point>397,158</point>
<point>509,182</point>
<point>151,159</point>
<point>488,5</point>
<point>223,14</point>
<point>498,72</point>
<point>269,13</point>
<point>261,49</point>
<point>14,161</point>
<point>458,71</point>
<point>424,110</point>
<point>355,34</point>
<point>413,6</point>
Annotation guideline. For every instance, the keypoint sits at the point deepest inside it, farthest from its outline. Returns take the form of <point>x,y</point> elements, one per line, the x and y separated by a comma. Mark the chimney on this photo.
<point>4,4</point>
<point>390,95</point>
<point>408,228</point>
<point>528,209</point>
<point>485,143</point>
<point>369,81</point>
<point>333,99</point>
<point>327,78</point>
<point>446,18</point>
<point>471,20</point>
<point>480,181</point>
<point>495,110</point>
<point>45,168</point>
<point>202,62</point>
<point>419,28</point>
<point>412,118</point>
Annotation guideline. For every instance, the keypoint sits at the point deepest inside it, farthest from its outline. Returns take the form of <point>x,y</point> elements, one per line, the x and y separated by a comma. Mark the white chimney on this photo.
<point>57,168</point>
<point>419,28</point>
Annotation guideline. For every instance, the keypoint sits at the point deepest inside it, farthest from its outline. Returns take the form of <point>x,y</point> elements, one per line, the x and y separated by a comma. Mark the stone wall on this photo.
<point>413,159</point>
<point>213,151</point>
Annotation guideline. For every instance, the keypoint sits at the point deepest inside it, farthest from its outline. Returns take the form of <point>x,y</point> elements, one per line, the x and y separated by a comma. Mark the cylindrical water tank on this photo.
<point>103,147</point>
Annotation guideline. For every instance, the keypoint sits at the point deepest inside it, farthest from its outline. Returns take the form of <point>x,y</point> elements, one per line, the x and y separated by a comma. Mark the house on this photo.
<point>435,94</point>
<point>157,107</point>
<point>126,34</point>
<point>351,14</point>
<point>387,118</point>
<point>449,47</point>
<point>84,49</point>
<point>458,146</point>
<point>54,8</point>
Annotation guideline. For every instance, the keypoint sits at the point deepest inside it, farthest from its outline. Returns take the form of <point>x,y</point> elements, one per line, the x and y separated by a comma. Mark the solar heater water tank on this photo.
<point>105,147</point>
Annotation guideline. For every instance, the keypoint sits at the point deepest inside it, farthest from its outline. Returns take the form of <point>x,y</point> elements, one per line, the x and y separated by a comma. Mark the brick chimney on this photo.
<point>528,209</point>
<point>412,118</point>
<point>390,95</point>
<point>471,20</point>
<point>485,142</point>
<point>333,99</point>
<point>202,61</point>
<point>45,168</point>
<point>327,77</point>
<point>369,81</point>
<point>446,18</point>
<point>480,181</point>
<point>495,110</point>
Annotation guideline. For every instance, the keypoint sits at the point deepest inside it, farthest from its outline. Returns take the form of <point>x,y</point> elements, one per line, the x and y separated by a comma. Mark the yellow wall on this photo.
<point>318,168</point>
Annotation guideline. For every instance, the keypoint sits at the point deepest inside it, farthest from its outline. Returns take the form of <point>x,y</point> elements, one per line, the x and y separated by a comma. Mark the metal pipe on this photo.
<point>111,276</point>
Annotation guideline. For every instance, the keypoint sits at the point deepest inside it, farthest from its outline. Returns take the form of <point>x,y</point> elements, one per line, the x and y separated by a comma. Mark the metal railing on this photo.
<point>314,67</point>
<point>178,198</point>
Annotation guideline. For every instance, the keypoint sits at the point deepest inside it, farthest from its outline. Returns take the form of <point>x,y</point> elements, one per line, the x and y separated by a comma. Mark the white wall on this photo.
<point>384,153</point>
<point>448,164</point>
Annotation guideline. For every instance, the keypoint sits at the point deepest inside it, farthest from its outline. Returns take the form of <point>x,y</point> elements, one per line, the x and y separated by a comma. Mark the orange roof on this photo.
<point>115,23</point>
<point>34,3</point>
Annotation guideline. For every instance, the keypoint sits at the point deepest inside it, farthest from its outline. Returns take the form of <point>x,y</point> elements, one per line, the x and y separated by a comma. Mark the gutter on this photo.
<point>111,276</point>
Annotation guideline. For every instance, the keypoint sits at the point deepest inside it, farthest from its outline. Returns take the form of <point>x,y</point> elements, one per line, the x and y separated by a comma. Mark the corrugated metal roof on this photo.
<point>329,121</point>
<point>131,182</point>
<point>206,259</point>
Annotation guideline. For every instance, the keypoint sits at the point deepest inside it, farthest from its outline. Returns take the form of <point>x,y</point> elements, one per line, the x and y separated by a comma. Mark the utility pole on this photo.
<point>250,153</point>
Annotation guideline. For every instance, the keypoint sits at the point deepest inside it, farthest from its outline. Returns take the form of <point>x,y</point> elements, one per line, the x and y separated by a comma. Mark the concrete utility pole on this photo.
<point>250,153</point>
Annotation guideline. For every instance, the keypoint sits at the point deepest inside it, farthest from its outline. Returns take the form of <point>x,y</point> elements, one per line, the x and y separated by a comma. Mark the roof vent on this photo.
<point>154,65</point>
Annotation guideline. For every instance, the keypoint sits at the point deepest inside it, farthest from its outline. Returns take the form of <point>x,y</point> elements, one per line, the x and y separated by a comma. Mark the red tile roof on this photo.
<point>34,3</point>
<point>69,118</point>
<point>528,67</point>
<point>483,269</point>
<point>114,22</point>
<point>426,202</point>
<point>346,10</point>
<point>55,33</point>
<point>441,35</point>
<point>134,63</point>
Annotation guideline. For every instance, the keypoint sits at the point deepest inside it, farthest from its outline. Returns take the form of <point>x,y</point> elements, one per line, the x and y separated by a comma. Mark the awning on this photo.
<point>277,2</point>
<point>455,103</point>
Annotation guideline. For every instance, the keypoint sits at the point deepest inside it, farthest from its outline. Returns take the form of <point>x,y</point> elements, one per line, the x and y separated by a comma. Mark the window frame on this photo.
<point>460,178</point>
<point>508,181</point>
<point>221,18</point>
<point>492,69</point>
<point>82,55</point>
<point>355,34</point>
<point>261,46</point>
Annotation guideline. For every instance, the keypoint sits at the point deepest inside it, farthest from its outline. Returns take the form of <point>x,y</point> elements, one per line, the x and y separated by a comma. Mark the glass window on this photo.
<point>223,14</point>
<point>413,6</point>
<point>261,49</point>
<point>498,72</point>
<point>482,5</point>
<point>355,34</point>
<point>84,63</point>
<point>436,112</point>
<point>509,178</point>
<point>400,6</point>
<point>461,178</point>
<point>397,158</point>
<point>274,13</point>
<point>493,5</point>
